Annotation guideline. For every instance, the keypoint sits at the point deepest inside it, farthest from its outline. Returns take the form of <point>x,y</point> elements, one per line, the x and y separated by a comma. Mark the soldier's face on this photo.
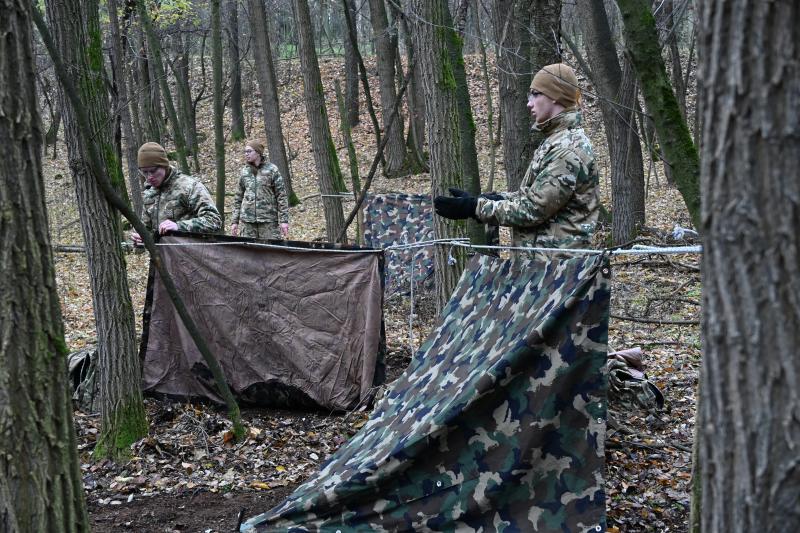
<point>541,107</point>
<point>251,156</point>
<point>154,175</point>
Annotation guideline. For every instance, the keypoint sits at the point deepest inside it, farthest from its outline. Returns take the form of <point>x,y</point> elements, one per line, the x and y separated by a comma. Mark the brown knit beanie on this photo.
<point>558,81</point>
<point>152,155</point>
<point>257,146</point>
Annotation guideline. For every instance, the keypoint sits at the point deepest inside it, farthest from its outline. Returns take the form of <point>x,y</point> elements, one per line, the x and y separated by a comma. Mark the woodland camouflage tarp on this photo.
<point>497,425</point>
<point>397,218</point>
<point>288,326</point>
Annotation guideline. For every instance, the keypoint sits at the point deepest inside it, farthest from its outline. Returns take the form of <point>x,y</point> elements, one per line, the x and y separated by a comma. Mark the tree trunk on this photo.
<point>674,54</point>
<point>679,151</point>
<point>545,50</point>
<point>751,252</point>
<point>351,73</point>
<point>268,85</point>
<point>161,72</point>
<point>76,28</point>
<point>385,54</point>
<point>347,139</point>
<point>187,118</point>
<point>329,173</point>
<point>120,104</point>
<point>487,89</point>
<point>41,488</point>
<point>415,142</point>
<point>150,113</point>
<point>219,109</point>
<point>237,114</point>
<point>617,93</point>
<point>433,34</point>
<point>514,72</point>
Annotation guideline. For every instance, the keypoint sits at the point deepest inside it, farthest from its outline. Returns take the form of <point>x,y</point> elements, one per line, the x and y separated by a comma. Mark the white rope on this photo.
<point>422,244</point>
<point>635,250</point>
<point>411,310</point>
<point>265,245</point>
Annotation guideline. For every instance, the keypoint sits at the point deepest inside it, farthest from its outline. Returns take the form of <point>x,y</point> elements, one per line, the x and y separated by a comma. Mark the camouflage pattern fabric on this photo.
<point>631,388</point>
<point>498,423</point>
<point>183,200</point>
<point>261,196</point>
<point>557,203</point>
<point>265,230</point>
<point>396,218</point>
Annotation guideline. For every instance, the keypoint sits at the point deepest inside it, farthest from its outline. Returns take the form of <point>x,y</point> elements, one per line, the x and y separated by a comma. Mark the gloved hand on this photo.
<point>457,208</point>
<point>460,193</point>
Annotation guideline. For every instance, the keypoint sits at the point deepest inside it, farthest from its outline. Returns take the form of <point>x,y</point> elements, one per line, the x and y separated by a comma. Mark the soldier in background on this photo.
<point>261,205</point>
<point>557,203</point>
<point>172,200</point>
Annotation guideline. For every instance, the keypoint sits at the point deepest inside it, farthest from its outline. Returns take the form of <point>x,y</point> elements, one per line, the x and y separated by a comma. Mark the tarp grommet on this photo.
<point>438,483</point>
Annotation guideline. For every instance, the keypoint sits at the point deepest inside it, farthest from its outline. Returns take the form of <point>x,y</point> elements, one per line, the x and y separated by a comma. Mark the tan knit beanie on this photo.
<point>152,155</point>
<point>257,146</point>
<point>558,81</point>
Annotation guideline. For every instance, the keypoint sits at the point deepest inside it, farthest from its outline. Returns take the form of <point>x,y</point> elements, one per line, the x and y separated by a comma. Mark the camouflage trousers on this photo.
<point>260,230</point>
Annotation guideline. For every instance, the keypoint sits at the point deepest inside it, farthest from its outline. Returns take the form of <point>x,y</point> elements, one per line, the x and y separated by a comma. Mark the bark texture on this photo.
<point>351,72</point>
<point>219,109</point>
<point>268,83</point>
<point>40,479</point>
<point>329,173</point>
<point>75,27</point>
<point>617,91</point>
<point>433,31</point>
<point>750,373</point>
<point>237,114</point>
<point>680,153</point>
<point>385,55</point>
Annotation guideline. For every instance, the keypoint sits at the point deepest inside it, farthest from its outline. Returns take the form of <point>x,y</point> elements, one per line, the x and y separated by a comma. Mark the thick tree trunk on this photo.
<point>679,151</point>
<point>385,54</point>
<point>237,114</point>
<point>329,173</point>
<point>751,252</point>
<point>219,109</point>
<point>268,83</point>
<point>514,72</point>
<point>487,89</point>
<point>617,93</point>
<point>76,28</point>
<point>161,75</point>
<point>433,34</point>
<point>40,488</point>
<point>351,72</point>
<point>120,105</point>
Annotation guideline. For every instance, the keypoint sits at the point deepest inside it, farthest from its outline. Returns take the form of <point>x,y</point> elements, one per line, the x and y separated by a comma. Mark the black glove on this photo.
<point>493,196</point>
<point>455,208</point>
<point>460,193</point>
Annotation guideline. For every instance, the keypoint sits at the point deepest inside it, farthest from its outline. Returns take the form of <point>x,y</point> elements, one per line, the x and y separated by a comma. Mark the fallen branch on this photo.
<point>657,321</point>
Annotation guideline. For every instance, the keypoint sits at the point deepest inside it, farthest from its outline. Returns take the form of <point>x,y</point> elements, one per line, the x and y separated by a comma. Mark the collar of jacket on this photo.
<point>171,173</point>
<point>569,118</point>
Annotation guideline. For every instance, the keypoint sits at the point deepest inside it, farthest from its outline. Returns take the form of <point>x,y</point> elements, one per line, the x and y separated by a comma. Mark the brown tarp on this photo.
<point>287,325</point>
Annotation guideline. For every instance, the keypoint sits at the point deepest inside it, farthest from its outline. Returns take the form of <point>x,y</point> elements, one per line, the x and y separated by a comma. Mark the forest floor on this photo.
<point>188,475</point>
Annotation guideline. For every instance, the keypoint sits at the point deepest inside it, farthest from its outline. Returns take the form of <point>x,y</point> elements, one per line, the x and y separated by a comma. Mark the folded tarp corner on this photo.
<point>288,324</point>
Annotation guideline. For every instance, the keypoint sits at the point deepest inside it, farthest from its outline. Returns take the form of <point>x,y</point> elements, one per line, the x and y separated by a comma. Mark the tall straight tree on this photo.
<point>40,488</point>
<point>76,28</point>
<point>237,114</point>
<point>545,46</point>
<point>329,172</point>
<point>435,35</point>
<point>120,105</point>
<point>156,58</point>
<point>750,406</point>
<point>219,110</point>
<point>268,83</point>
<point>385,56</point>
<point>511,21</point>
<point>351,71</point>
<point>680,153</point>
<point>617,94</point>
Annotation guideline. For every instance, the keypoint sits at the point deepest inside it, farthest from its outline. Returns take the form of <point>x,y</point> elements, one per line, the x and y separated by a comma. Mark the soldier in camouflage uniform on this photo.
<point>172,200</point>
<point>261,204</point>
<point>557,203</point>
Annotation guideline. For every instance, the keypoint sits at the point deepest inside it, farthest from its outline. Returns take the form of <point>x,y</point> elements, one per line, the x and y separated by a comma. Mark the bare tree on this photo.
<point>268,83</point>
<point>41,488</point>
<point>329,172</point>
<point>76,28</point>
<point>617,96</point>
<point>219,109</point>
<point>351,72</point>
<point>237,114</point>
<point>749,421</point>
<point>433,34</point>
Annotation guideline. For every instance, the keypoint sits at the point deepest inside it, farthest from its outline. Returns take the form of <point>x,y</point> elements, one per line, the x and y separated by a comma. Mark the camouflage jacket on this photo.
<point>182,199</point>
<point>261,196</point>
<point>557,203</point>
